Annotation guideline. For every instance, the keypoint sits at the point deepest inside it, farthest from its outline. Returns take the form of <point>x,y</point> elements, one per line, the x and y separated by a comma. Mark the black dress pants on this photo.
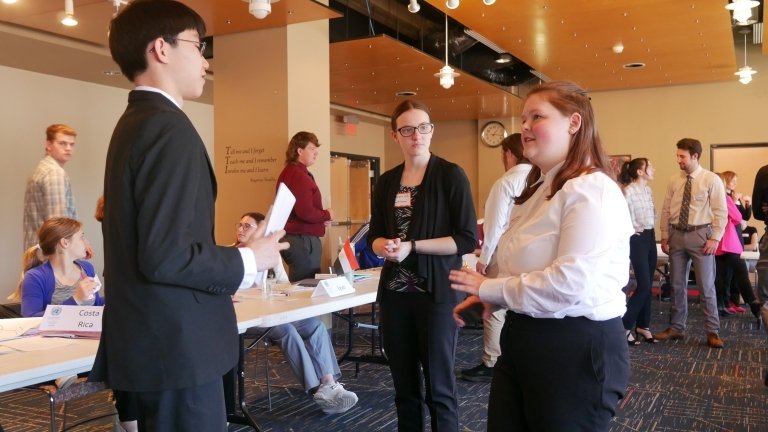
<point>558,375</point>
<point>302,256</point>
<point>420,335</point>
<point>199,408</point>
<point>642,255</point>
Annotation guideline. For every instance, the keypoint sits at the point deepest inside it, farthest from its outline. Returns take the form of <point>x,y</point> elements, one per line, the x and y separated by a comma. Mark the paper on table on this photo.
<point>35,344</point>
<point>278,213</point>
<point>12,328</point>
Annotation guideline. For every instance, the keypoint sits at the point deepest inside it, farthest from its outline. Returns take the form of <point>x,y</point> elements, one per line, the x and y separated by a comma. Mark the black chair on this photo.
<point>10,310</point>
<point>259,338</point>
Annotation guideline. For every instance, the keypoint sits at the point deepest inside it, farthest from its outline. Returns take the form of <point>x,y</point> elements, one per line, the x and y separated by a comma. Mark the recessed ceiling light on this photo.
<point>635,65</point>
<point>111,72</point>
<point>405,93</point>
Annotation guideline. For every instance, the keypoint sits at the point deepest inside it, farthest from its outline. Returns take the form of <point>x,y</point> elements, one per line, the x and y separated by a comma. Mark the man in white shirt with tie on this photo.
<point>693,220</point>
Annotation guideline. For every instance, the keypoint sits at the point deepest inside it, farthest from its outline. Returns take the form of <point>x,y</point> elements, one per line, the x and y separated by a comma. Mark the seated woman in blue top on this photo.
<point>54,270</point>
<point>305,344</point>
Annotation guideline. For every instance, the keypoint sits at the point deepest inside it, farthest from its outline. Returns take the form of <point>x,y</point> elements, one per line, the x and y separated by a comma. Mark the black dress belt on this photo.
<point>690,228</point>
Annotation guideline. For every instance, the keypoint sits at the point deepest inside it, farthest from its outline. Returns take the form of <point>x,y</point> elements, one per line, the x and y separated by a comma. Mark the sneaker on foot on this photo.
<point>334,399</point>
<point>479,373</point>
<point>65,381</point>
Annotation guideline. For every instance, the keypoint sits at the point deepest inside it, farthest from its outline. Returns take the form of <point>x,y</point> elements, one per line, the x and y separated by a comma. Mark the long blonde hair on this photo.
<point>49,235</point>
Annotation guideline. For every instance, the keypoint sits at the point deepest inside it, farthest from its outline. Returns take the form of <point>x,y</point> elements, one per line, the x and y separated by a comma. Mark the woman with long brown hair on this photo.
<point>55,271</point>
<point>562,265</point>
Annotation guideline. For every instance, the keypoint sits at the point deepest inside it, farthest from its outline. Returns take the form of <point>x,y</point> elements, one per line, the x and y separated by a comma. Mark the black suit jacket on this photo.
<point>169,321</point>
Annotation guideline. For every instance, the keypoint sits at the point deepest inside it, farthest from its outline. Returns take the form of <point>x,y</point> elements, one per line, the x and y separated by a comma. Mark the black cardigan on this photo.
<point>443,207</point>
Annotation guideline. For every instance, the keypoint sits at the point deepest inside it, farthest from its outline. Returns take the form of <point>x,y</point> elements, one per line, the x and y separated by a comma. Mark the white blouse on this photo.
<point>567,256</point>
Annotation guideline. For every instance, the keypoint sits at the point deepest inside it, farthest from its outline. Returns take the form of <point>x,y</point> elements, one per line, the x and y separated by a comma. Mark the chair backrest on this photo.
<point>10,310</point>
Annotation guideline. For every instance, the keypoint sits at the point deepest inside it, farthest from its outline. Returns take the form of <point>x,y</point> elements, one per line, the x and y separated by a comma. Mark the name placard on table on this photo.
<point>333,287</point>
<point>72,321</point>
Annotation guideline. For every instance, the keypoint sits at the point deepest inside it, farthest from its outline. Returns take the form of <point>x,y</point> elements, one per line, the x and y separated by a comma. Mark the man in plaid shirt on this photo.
<point>49,192</point>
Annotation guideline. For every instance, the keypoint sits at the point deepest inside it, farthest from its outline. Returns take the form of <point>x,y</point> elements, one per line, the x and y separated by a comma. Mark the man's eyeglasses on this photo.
<point>423,129</point>
<point>244,226</point>
<point>199,44</point>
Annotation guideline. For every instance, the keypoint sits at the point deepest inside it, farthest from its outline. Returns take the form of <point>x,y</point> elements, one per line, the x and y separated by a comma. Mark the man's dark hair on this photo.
<point>692,145</point>
<point>143,21</point>
<point>514,143</point>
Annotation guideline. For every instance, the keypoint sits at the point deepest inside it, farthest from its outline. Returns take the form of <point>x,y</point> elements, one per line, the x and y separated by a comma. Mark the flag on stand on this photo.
<point>347,262</point>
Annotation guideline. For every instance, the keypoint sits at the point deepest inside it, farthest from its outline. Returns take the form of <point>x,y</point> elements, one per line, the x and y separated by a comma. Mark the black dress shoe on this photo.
<point>479,373</point>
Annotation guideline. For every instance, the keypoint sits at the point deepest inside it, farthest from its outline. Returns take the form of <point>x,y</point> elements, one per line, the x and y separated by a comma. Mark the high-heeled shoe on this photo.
<point>631,341</point>
<point>645,335</point>
<point>755,307</point>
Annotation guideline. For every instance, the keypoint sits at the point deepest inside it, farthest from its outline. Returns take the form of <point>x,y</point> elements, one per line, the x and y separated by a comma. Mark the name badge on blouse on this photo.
<point>403,199</point>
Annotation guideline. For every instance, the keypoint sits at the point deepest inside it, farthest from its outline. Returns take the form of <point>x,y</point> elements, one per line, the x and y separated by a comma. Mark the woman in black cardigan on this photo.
<point>423,220</point>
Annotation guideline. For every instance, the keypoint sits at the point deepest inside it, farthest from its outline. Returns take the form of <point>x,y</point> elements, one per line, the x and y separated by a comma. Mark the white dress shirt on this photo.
<point>707,202</point>
<point>499,205</point>
<point>566,256</point>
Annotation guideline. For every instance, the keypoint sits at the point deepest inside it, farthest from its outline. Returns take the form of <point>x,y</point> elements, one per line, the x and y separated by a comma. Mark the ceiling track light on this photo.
<point>69,14</point>
<point>745,72</point>
<point>742,11</point>
<point>260,8</point>
<point>446,73</point>
<point>413,6</point>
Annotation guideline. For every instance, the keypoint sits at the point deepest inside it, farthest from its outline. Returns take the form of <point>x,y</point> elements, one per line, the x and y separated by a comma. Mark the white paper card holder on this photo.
<point>71,320</point>
<point>333,287</point>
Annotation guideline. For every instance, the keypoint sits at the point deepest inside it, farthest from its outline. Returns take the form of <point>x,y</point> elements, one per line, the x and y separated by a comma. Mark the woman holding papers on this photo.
<point>54,270</point>
<point>422,222</point>
<point>308,219</point>
<point>305,344</point>
<point>563,261</point>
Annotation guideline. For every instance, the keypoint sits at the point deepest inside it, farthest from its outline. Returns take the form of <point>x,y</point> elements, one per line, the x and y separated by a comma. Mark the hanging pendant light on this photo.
<point>742,11</point>
<point>745,72</point>
<point>446,73</point>
<point>69,14</point>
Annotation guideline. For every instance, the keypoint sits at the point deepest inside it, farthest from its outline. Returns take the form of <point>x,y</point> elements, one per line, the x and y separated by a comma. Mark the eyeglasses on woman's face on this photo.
<point>423,129</point>
<point>245,226</point>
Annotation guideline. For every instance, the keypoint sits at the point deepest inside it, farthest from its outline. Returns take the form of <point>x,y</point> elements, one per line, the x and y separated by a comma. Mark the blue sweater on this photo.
<point>39,283</point>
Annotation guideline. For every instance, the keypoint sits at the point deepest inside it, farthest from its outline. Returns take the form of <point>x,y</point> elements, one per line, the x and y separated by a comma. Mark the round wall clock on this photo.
<point>493,133</point>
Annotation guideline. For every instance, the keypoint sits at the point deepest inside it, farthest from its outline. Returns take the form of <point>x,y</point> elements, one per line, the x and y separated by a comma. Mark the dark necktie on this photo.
<point>685,207</point>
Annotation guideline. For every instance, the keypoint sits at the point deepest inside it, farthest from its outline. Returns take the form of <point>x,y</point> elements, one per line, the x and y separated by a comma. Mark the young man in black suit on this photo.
<point>169,328</point>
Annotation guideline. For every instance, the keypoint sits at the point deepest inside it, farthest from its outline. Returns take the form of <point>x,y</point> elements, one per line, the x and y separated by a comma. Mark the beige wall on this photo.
<point>31,102</point>
<point>369,139</point>
<point>251,118</point>
<point>456,141</point>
